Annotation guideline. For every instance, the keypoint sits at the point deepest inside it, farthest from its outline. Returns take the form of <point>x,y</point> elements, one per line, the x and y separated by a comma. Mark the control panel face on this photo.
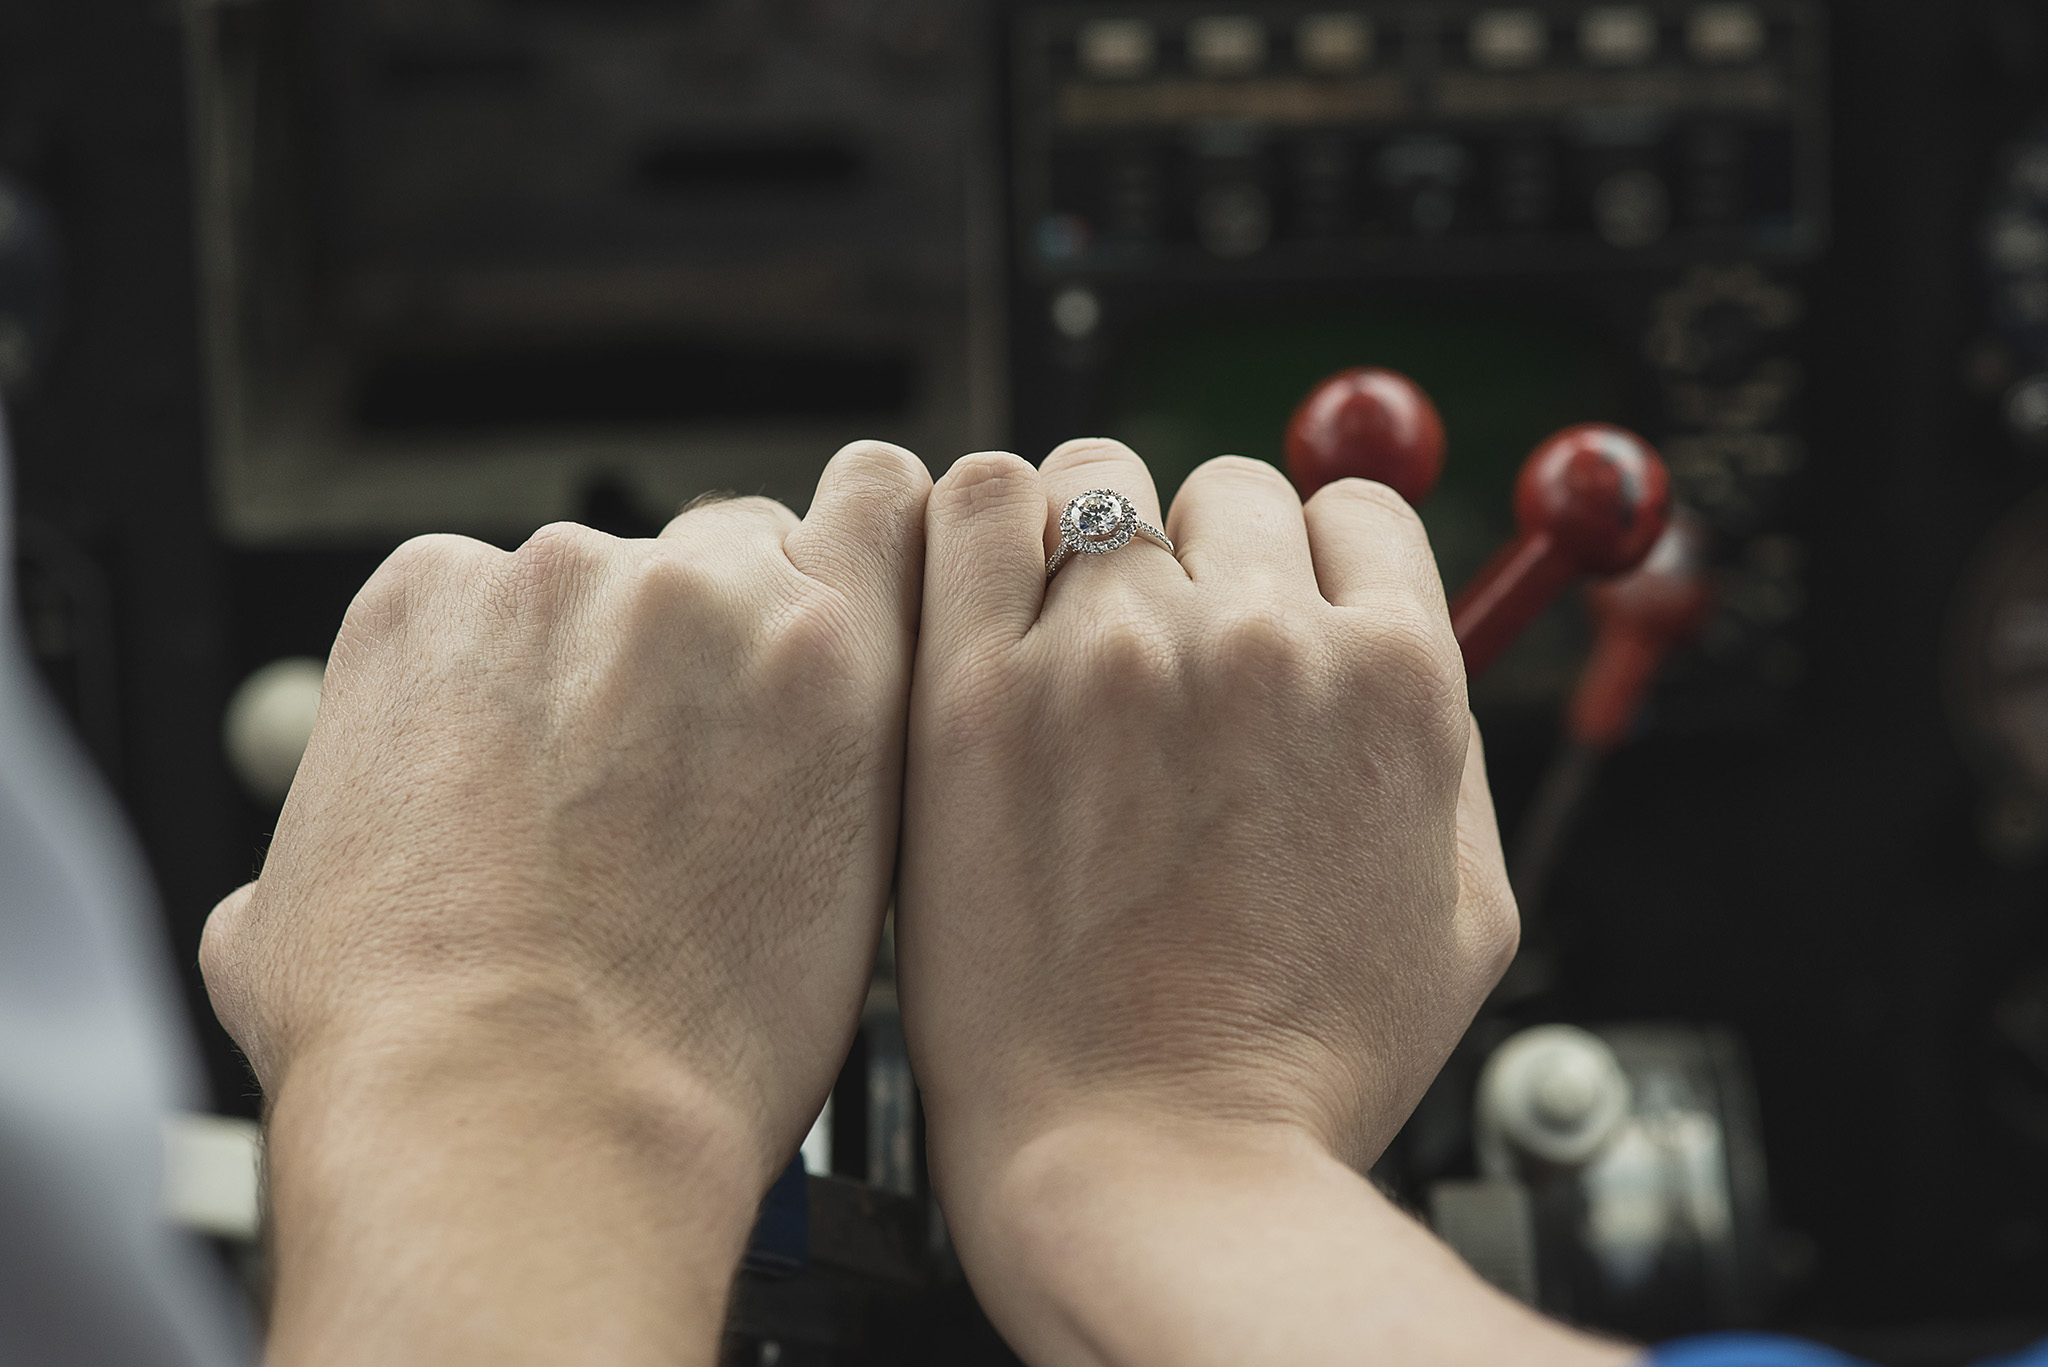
<point>469,258</point>
<point>1317,138</point>
<point>1543,214</point>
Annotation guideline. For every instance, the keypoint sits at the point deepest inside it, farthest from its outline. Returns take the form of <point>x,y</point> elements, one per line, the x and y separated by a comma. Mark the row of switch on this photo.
<point>1129,201</point>
<point>1498,40</point>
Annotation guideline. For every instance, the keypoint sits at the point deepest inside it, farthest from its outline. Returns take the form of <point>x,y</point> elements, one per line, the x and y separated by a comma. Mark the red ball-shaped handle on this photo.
<point>1600,492</point>
<point>1592,499</point>
<point>1369,424</point>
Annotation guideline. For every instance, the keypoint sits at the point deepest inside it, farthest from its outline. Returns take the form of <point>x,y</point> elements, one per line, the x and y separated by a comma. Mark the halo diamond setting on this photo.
<point>1097,522</point>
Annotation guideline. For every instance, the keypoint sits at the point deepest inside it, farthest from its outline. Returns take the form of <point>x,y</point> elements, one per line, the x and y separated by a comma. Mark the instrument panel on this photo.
<point>1545,215</point>
<point>478,264</point>
<point>304,276</point>
<point>1369,138</point>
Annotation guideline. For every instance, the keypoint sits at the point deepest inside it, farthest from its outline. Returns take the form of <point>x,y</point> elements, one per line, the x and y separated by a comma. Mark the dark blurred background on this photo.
<point>283,282</point>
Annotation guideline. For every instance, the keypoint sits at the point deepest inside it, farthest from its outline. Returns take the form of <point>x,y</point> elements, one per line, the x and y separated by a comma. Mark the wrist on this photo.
<point>987,1159</point>
<point>469,1191</point>
<point>1092,1240</point>
<point>1106,1243</point>
<point>1023,1198</point>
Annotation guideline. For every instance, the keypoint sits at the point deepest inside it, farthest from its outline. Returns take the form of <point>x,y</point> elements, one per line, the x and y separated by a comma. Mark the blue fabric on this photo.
<point>1769,1350</point>
<point>1748,1350</point>
<point>781,1242</point>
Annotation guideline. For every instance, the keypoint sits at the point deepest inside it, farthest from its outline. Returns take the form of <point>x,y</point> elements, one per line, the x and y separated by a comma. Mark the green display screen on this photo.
<point>1503,380</point>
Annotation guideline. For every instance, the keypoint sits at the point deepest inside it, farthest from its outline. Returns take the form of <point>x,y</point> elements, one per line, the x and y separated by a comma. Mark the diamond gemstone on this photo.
<point>1098,516</point>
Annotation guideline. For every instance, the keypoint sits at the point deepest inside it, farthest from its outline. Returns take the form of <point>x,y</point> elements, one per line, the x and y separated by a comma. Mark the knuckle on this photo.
<point>985,480</point>
<point>675,594</point>
<point>674,572</point>
<point>408,575</point>
<point>667,585</point>
<point>749,519</point>
<point>772,511</point>
<point>1372,516</point>
<point>1411,655</point>
<point>814,647</point>
<point>1081,450</point>
<point>217,946</point>
<point>1260,639</point>
<point>562,551</point>
<point>1242,472</point>
<point>222,954</point>
<point>1099,462</point>
<point>1492,930</point>
<point>1132,664</point>
<point>882,472</point>
<point>975,710</point>
<point>1261,652</point>
<point>708,498</point>
<point>1356,497</point>
<point>816,629</point>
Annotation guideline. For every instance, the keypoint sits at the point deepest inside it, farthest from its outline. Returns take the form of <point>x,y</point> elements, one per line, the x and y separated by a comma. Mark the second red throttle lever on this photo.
<point>1591,500</point>
<point>1641,617</point>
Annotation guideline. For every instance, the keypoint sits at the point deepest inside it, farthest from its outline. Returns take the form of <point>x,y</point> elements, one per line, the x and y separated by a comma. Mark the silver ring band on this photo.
<point>1098,522</point>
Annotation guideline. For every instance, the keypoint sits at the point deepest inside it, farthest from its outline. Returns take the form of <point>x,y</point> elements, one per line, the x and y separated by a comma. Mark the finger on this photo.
<point>750,517</point>
<point>413,578</point>
<point>1487,919</point>
<point>1368,544</point>
<point>739,540</point>
<point>1099,463</point>
<point>864,534</point>
<point>1238,520</point>
<point>984,567</point>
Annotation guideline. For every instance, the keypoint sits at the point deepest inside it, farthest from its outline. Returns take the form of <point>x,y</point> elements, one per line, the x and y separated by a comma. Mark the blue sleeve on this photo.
<point>2036,1356</point>
<point>1748,1350</point>
<point>1769,1350</point>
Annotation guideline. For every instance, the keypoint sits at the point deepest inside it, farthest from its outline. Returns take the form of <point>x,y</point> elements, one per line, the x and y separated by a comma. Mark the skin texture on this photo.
<point>568,919</point>
<point>1200,885</point>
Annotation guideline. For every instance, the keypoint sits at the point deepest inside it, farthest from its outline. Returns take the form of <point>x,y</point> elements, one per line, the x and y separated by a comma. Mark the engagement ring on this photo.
<point>1100,521</point>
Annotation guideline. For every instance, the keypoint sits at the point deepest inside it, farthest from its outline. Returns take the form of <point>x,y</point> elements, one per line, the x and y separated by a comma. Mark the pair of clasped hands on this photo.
<point>570,915</point>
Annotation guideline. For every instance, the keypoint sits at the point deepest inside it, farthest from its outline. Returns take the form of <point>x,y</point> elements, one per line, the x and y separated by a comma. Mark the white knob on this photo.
<point>1566,1087</point>
<point>269,720</point>
<point>212,1175</point>
<point>1554,1093</point>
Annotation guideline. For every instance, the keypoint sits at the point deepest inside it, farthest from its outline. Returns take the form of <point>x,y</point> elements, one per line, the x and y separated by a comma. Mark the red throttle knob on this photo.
<point>1368,423</point>
<point>1642,617</point>
<point>1592,499</point>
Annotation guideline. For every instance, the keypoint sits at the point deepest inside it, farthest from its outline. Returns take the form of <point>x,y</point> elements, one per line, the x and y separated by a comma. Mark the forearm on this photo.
<point>1106,1246</point>
<point>503,1199</point>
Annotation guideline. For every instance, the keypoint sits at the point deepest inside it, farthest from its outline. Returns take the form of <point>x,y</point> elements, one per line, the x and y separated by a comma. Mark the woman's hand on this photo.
<point>1199,840</point>
<point>1200,885</point>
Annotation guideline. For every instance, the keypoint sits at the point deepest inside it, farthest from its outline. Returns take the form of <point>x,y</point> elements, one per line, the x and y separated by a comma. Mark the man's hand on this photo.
<point>1200,886</point>
<point>568,920</point>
